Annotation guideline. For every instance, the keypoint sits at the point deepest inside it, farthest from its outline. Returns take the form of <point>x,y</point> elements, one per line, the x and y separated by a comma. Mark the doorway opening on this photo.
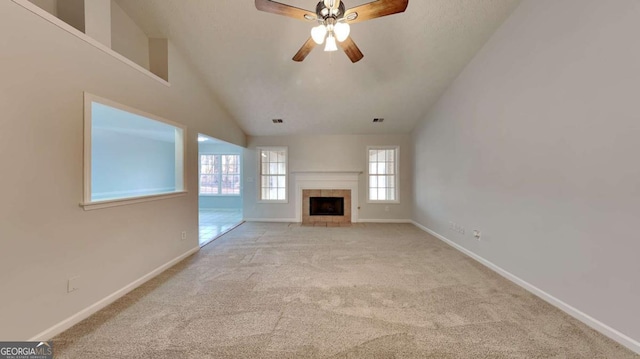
<point>219,187</point>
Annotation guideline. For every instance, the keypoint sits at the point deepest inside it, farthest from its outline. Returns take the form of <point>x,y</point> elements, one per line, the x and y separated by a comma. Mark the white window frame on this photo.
<point>396,174</point>
<point>181,150</point>
<point>286,176</point>
<point>200,174</point>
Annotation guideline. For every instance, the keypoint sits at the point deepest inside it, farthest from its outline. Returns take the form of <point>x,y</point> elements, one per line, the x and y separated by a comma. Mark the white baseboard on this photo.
<point>87,312</point>
<point>294,220</point>
<point>361,220</point>
<point>606,330</point>
<point>271,220</point>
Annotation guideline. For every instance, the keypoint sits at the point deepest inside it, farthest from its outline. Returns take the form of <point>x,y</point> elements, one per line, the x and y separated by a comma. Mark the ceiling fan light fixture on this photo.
<point>318,34</point>
<point>331,44</point>
<point>330,13</point>
<point>342,31</point>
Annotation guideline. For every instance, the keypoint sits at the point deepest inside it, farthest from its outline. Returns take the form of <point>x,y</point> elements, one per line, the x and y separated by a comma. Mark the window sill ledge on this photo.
<point>89,206</point>
<point>263,201</point>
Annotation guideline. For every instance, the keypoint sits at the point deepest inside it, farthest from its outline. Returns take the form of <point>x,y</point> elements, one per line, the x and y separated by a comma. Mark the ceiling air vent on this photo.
<point>277,120</point>
<point>376,120</point>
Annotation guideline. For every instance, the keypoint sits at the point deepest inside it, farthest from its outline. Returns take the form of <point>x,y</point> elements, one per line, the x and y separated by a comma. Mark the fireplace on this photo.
<point>327,184</point>
<point>326,206</point>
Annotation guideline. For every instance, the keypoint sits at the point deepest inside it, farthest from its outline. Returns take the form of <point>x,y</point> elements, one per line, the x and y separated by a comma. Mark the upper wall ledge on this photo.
<point>79,34</point>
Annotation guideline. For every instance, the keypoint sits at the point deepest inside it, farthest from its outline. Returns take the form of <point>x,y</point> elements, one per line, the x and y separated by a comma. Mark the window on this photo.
<point>383,174</point>
<point>129,155</point>
<point>220,175</point>
<point>273,174</point>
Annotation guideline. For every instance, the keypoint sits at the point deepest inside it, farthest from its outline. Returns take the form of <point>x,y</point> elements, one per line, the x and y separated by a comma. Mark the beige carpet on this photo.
<point>368,291</point>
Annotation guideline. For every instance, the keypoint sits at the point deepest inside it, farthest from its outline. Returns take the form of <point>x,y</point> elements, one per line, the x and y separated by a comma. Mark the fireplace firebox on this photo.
<point>326,206</point>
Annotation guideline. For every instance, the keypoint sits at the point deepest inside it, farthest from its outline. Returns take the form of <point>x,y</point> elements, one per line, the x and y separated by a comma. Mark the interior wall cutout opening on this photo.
<point>130,154</point>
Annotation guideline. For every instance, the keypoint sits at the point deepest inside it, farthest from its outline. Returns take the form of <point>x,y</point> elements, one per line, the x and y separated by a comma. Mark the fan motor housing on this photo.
<point>324,13</point>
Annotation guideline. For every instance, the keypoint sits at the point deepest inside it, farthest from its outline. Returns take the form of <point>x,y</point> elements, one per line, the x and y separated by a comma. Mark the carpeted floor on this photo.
<point>367,291</point>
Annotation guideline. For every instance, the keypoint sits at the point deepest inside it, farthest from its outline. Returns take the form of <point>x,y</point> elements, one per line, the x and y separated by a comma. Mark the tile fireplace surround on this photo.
<point>327,184</point>
<point>308,193</point>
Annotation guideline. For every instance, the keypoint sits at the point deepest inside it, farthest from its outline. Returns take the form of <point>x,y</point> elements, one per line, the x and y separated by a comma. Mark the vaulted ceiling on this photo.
<point>244,55</point>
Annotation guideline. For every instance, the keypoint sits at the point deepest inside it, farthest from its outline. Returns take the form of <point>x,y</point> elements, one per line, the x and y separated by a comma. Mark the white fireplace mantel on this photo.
<point>327,180</point>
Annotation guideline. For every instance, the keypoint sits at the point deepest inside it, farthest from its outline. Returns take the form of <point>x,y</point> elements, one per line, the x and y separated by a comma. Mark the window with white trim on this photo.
<point>219,175</point>
<point>273,174</point>
<point>383,174</point>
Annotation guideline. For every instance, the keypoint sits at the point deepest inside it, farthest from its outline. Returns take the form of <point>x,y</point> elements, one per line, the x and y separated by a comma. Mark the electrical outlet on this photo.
<point>184,235</point>
<point>386,208</point>
<point>476,234</point>
<point>72,284</point>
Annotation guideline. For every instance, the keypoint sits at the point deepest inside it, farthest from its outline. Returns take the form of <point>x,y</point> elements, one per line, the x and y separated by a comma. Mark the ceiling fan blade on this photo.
<point>285,10</point>
<point>376,9</point>
<point>351,49</point>
<point>304,50</point>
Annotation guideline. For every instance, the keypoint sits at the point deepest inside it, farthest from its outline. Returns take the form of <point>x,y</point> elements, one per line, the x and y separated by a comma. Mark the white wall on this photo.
<point>128,165</point>
<point>127,38</point>
<point>45,236</point>
<point>97,20</point>
<point>536,144</point>
<point>327,153</point>
<point>158,59</point>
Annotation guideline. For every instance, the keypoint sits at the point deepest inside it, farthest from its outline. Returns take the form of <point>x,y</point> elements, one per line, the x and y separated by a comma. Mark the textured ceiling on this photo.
<point>245,57</point>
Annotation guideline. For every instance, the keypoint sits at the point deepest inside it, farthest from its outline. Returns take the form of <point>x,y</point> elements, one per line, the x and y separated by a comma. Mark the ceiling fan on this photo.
<point>333,22</point>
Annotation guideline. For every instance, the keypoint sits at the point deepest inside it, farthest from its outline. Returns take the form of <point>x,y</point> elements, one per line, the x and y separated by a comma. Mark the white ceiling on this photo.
<point>245,57</point>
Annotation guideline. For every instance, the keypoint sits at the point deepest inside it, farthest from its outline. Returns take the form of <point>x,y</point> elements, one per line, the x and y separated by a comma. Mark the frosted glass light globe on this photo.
<point>342,31</point>
<point>331,44</point>
<point>318,34</point>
